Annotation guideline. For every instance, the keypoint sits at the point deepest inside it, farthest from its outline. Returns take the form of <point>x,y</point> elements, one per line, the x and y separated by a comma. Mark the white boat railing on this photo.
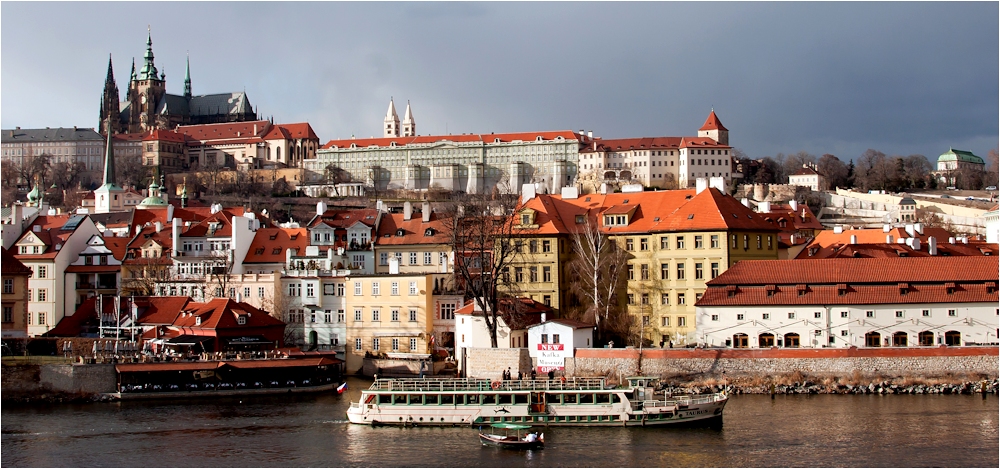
<point>472,384</point>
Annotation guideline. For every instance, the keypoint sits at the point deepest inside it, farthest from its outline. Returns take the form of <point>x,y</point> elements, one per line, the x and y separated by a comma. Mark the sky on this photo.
<point>903,78</point>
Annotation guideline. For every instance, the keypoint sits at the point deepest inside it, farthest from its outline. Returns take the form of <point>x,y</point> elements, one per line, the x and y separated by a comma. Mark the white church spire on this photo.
<point>409,125</point>
<point>391,121</point>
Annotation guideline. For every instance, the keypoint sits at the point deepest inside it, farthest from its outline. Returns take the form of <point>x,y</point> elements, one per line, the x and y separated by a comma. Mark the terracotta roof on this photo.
<point>884,250</point>
<point>641,143</point>
<point>223,312</point>
<point>11,266</point>
<point>339,218</point>
<point>269,244</point>
<point>804,171</point>
<point>827,242</point>
<point>165,136</point>
<point>50,233</point>
<point>429,139</point>
<point>130,137</point>
<point>414,230</point>
<point>230,131</point>
<point>163,310</point>
<point>298,130</point>
<point>854,271</point>
<point>713,122</point>
<point>852,295</point>
<point>701,142</point>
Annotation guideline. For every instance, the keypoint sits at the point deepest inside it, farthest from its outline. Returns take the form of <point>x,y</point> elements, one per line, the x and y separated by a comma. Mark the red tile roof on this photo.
<point>901,250</point>
<point>713,123</point>
<point>428,139</point>
<point>265,250</point>
<point>337,218</point>
<point>834,271</point>
<point>298,130</point>
<point>827,242</point>
<point>852,295</point>
<point>414,230</point>
<point>165,136</point>
<point>50,233</point>
<point>222,313</point>
<point>804,171</point>
<point>11,266</point>
<point>230,131</point>
<point>641,143</point>
<point>701,142</point>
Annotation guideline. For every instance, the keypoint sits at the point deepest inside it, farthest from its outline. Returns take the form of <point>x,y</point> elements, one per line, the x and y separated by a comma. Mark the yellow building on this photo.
<point>420,242</point>
<point>388,314</point>
<point>542,258</point>
<point>673,242</point>
<point>15,296</point>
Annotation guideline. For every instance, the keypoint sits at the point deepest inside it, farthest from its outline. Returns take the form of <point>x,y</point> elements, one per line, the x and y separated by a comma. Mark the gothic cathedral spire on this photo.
<point>187,79</point>
<point>110,121</point>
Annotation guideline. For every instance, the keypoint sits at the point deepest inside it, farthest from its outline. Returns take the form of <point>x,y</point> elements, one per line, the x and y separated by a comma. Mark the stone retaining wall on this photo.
<point>31,382</point>
<point>926,362</point>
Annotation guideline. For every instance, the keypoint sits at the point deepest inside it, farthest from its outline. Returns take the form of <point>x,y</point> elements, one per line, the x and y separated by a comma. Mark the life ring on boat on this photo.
<point>495,385</point>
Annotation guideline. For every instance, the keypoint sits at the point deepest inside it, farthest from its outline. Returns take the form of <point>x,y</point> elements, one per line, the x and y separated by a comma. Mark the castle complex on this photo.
<point>148,106</point>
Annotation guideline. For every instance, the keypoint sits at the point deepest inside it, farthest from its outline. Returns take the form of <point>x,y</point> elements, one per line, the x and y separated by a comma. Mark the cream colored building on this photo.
<point>387,314</point>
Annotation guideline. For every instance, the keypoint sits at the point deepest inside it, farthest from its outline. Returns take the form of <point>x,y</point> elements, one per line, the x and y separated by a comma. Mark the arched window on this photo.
<point>926,338</point>
<point>741,340</point>
<point>277,154</point>
<point>792,340</point>
<point>313,338</point>
<point>953,338</point>
<point>899,339</point>
<point>873,339</point>
<point>765,340</point>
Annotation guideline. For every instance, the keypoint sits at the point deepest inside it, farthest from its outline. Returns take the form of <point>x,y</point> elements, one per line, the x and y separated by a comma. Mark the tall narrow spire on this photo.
<point>187,79</point>
<point>109,162</point>
<point>391,127</point>
<point>132,76</point>
<point>148,71</point>
<point>110,80</point>
<point>409,125</point>
<point>110,113</point>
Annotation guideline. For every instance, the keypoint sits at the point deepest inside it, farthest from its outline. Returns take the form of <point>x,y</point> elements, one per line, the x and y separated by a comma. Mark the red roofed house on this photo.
<point>898,302</point>
<point>98,269</point>
<point>221,324</point>
<point>796,221</point>
<point>664,162</point>
<point>253,144</point>
<point>48,246</point>
<point>672,243</point>
<point>902,241</point>
<point>807,176</point>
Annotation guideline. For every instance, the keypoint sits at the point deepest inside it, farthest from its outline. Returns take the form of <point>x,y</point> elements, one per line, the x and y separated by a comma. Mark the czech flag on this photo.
<point>341,388</point>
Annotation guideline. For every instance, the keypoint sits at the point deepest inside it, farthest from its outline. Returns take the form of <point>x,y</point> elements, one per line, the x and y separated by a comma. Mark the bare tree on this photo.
<point>597,269</point>
<point>129,171</point>
<point>797,161</point>
<point>992,168</point>
<point>482,235</point>
<point>33,169</point>
<point>334,175</point>
<point>866,173</point>
<point>914,171</point>
<point>9,177</point>
<point>66,175</point>
<point>834,170</point>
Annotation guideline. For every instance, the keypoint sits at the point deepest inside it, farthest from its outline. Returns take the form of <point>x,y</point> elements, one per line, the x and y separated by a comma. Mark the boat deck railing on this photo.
<point>685,400</point>
<point>472,384</point>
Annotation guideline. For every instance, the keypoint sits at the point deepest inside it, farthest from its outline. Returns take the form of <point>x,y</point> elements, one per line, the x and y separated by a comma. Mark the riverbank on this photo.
<point>803,383</point>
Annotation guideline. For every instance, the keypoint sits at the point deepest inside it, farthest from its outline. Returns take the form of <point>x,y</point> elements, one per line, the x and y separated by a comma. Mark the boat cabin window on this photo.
<point>385,398</point>
<point>489,398</point>
<point>399,398</point>
<point>520,398</point>
<point>569,398</point>
<point>472,399</point>
<point>503,399</point>
<point>431,399</point>
<point>603,398</point>
<point>447,399</point>
<point>615,398</point>
<point>553,398</point>
<point>586,398</point>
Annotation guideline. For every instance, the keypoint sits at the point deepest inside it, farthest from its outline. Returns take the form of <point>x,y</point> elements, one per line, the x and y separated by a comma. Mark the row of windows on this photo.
<point>681,271</point>
<point>532,274</point>
<point>43,293</point>
<point>377,344</point>
<point>376,315</point>
<point>644,298</point>
<point>901,314</point>
<point>376,288</point>
<point>383,258</point>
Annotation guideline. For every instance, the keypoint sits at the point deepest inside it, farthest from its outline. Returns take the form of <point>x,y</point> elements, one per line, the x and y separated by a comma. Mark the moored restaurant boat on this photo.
<point>563,402</point>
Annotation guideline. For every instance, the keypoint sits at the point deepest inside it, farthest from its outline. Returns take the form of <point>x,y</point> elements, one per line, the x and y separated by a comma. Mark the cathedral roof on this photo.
<point>221,103</point>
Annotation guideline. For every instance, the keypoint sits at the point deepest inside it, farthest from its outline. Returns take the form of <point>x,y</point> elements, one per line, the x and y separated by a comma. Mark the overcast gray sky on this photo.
<point>836,78</point>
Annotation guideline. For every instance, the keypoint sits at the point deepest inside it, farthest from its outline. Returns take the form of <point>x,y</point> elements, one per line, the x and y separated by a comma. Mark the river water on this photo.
<point>296,431</point>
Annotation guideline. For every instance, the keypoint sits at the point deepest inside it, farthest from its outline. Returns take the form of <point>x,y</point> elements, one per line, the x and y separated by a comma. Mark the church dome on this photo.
<point>152,202</point>
<point>34,194</point>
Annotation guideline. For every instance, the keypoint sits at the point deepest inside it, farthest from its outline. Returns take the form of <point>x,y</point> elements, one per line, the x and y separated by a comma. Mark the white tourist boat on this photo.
<point>569,402</point>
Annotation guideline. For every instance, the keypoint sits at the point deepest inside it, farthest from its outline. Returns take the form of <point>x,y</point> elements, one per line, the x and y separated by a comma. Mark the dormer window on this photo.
<point>429,232</point>
<point>197,320</point>
<point>241,320</point>
<point>580,219</point>
<point>400,232</point>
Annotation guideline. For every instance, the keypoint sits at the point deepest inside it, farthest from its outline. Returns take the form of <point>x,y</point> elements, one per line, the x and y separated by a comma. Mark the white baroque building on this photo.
<point>861,302</point>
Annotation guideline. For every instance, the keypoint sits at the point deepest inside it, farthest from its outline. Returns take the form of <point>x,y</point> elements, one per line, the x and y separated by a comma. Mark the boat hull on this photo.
<point>509,442</point>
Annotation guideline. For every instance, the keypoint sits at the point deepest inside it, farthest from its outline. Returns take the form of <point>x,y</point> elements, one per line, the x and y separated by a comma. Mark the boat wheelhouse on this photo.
<point>560,402</point>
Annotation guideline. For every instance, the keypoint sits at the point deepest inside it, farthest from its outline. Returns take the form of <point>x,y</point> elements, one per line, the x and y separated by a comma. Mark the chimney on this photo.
<point>718,182</point>
<point>38,229</point>
<point>176,236</point>
<point>407,210</point>
<point>965,240</point>
<point>888,239</point>
<point>915,244</point>
<point>569,193</point>
<point>909,230</point>
<point>951,240</point>
<point>919,227</point>
<point>582,132</point>
<point>838,229</point>
<point>764,207</point>
<point>527,192</point>
<point>320,208</point>
<point>590,134</point>
<point>159,226</point>
<point>425,212</point>
<point>700,184</point>
<point>170,213</point>
<point>932,246</point>
<point>854,239</point>
<point>543,317</point>
<point>886,228</point>
<point>746,202</point>
<point>794,204</point>
<point>255,129</point>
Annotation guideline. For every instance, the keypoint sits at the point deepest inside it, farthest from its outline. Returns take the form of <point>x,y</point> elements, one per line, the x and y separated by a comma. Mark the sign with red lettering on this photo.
<point>550,346</point>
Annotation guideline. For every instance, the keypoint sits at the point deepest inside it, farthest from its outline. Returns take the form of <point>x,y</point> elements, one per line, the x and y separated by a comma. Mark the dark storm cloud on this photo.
<point>820,77</point>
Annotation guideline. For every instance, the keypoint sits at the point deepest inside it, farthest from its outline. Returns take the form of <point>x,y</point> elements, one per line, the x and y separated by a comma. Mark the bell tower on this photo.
<point>391,127</point>
<point>409,125</point>
<point>149,86</point>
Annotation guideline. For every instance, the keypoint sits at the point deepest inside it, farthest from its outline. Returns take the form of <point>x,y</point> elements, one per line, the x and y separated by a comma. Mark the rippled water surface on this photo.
<point>283,431</point>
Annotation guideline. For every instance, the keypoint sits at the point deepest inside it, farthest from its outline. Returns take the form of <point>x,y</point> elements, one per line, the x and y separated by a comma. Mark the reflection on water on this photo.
<point>294,430</point>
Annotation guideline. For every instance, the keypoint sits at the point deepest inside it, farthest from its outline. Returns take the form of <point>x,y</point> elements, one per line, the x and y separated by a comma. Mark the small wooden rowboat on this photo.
<point>514,437</point>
